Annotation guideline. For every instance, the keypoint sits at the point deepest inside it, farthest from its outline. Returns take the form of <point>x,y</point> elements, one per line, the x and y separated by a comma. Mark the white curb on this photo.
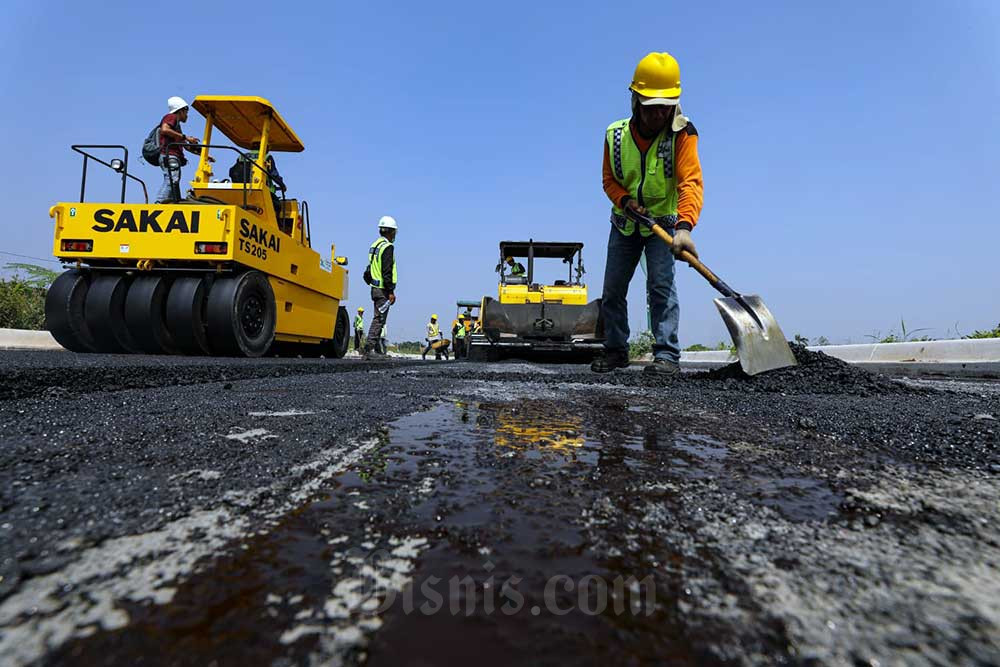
<point>21,339</point>
<point>949,358</point>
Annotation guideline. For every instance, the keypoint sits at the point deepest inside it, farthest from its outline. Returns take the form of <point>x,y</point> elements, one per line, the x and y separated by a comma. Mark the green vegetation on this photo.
<point>641,345</point>
<point>986,333</point>
<point>719,347</point>
<point>407,347</point>
<point>905,335</point>
<point>22,296</point>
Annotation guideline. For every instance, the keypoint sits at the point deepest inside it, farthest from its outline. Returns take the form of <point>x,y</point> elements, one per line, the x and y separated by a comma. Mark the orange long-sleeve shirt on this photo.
<point>690,187</point>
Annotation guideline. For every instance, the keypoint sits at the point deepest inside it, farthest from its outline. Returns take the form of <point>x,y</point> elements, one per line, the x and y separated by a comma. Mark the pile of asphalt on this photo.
<point>816,373</point>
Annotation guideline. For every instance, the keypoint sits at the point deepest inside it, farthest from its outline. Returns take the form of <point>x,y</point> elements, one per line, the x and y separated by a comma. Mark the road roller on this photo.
<point>228,269</point>
<point>532,319</point>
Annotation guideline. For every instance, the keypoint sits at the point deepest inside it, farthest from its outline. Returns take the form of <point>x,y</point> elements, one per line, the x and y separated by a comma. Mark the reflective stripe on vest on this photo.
<point>375,261</point>
<point>433,331</point>
<point>359,323</point>
<point>649,179</point>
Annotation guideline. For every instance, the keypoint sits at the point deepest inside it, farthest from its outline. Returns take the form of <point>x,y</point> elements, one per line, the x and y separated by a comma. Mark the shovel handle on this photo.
<point>714,280</point>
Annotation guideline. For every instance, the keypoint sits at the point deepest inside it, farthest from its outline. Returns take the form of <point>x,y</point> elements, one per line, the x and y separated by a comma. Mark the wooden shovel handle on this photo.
<point>686,256</point>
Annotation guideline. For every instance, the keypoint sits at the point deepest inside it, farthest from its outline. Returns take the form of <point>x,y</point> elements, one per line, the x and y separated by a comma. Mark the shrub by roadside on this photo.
<point>22,306</point>
<point>22,299</point>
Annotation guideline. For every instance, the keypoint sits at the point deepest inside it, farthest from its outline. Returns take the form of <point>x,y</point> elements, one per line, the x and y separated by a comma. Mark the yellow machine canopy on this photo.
<point>241,119</point>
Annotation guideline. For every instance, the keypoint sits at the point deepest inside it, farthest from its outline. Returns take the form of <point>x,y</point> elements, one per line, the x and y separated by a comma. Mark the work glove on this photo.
<point>682,242</point>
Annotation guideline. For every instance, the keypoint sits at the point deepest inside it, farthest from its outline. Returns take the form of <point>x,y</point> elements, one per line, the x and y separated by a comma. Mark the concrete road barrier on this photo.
<point>938,358</point>
<point>21,339</point>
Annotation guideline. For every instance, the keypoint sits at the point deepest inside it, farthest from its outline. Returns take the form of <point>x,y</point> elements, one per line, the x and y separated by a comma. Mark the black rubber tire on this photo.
<point>341,335</point>
<point>185,311</point>
<point>145,315</point>
<point>64,312</point>
<point>241,315</point>
<point>105,314</point>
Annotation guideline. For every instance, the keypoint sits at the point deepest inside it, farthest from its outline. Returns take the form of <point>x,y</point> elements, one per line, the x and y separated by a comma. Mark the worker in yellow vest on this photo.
<point>359,330</point>
<point>381,275</point>
<point>433,334</point>
<point>651,166</point>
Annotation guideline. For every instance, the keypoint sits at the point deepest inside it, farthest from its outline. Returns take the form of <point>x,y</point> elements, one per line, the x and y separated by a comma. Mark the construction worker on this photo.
<point>433,334</point>
<point>381,275</point>
<point>516,268</point>
<point>359,329</point>
<point>651,166</point>
<point>172,157</point>
<point>458,330</point>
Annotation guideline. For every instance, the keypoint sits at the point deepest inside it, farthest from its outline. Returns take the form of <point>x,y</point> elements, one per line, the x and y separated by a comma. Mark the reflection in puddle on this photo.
<point>521,428</point>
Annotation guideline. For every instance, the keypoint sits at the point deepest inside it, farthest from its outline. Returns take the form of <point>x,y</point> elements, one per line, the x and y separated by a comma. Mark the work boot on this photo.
<point>609,361</point>
<point>661,368</point>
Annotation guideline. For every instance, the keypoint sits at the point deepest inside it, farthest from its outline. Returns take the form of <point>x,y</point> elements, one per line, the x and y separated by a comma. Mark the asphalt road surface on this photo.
<point>164,511</point>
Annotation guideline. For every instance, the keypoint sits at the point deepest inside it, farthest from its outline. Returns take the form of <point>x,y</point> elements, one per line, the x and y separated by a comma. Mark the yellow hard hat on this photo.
<point>434,317</point>
<point>657,77</point>
<point>361,309</point>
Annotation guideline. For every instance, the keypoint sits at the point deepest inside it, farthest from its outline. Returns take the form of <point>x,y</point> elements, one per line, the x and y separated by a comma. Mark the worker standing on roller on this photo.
<point>359,330</point>
<point>651,166</point>
<point>172,157</point>
<point>433,334</point>
<point>381,275</point>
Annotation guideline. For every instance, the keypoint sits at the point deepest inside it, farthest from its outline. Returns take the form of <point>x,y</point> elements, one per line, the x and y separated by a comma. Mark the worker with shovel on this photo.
<point>433,335</point>
<point>651,167</point>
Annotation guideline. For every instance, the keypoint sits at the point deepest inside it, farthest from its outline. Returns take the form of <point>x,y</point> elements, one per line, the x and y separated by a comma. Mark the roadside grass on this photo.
<point>22,296</point>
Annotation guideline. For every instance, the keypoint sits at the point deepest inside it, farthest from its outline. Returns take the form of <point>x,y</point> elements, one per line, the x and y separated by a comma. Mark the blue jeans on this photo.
<point>169,191</point>
<point>623,256</point>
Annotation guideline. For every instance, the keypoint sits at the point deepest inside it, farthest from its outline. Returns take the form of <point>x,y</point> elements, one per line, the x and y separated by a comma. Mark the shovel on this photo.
<point>759,342</point>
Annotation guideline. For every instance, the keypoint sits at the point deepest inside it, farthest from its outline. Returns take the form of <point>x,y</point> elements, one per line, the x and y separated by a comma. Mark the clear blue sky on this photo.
<point>850,149</point>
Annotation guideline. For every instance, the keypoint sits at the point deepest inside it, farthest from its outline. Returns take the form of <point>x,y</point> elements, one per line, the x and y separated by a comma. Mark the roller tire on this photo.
<point>241,315</point>
<point>145,315</point>
<point>105,314</point>
<point>337,347</point>
<point>186,314</point>
<point>64,312</point>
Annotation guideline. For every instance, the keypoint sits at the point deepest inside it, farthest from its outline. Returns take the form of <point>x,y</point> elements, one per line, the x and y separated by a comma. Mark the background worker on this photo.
<point>359,329</point>
<point>651,166</point>
<point>516,268</point>
<point>381,275</point>
<point>172,157</point>
<point>458,331</point>
<point>433,334</point>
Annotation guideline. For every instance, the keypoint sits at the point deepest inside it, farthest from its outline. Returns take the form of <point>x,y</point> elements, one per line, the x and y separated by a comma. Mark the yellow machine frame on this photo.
<point>223,227</point>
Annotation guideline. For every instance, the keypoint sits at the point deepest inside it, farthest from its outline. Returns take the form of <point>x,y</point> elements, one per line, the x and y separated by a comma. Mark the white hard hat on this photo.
<point>175,104</point>
<point>387,222</point>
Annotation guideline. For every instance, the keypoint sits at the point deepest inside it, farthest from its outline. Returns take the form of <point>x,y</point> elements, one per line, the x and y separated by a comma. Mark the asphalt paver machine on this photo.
<point>531,319</point>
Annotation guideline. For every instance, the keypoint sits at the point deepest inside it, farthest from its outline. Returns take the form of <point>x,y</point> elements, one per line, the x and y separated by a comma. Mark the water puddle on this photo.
<point>465,532</point>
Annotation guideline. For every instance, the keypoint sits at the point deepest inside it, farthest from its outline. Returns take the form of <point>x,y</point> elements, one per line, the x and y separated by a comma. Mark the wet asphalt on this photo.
<point>165,511</point>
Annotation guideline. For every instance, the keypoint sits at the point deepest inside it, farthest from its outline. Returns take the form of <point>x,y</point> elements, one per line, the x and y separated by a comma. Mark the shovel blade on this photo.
<point>760,348</point>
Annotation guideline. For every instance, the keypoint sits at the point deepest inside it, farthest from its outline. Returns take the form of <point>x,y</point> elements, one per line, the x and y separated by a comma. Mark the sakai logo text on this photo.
<point>261,237</point>
<point>149,221</point>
